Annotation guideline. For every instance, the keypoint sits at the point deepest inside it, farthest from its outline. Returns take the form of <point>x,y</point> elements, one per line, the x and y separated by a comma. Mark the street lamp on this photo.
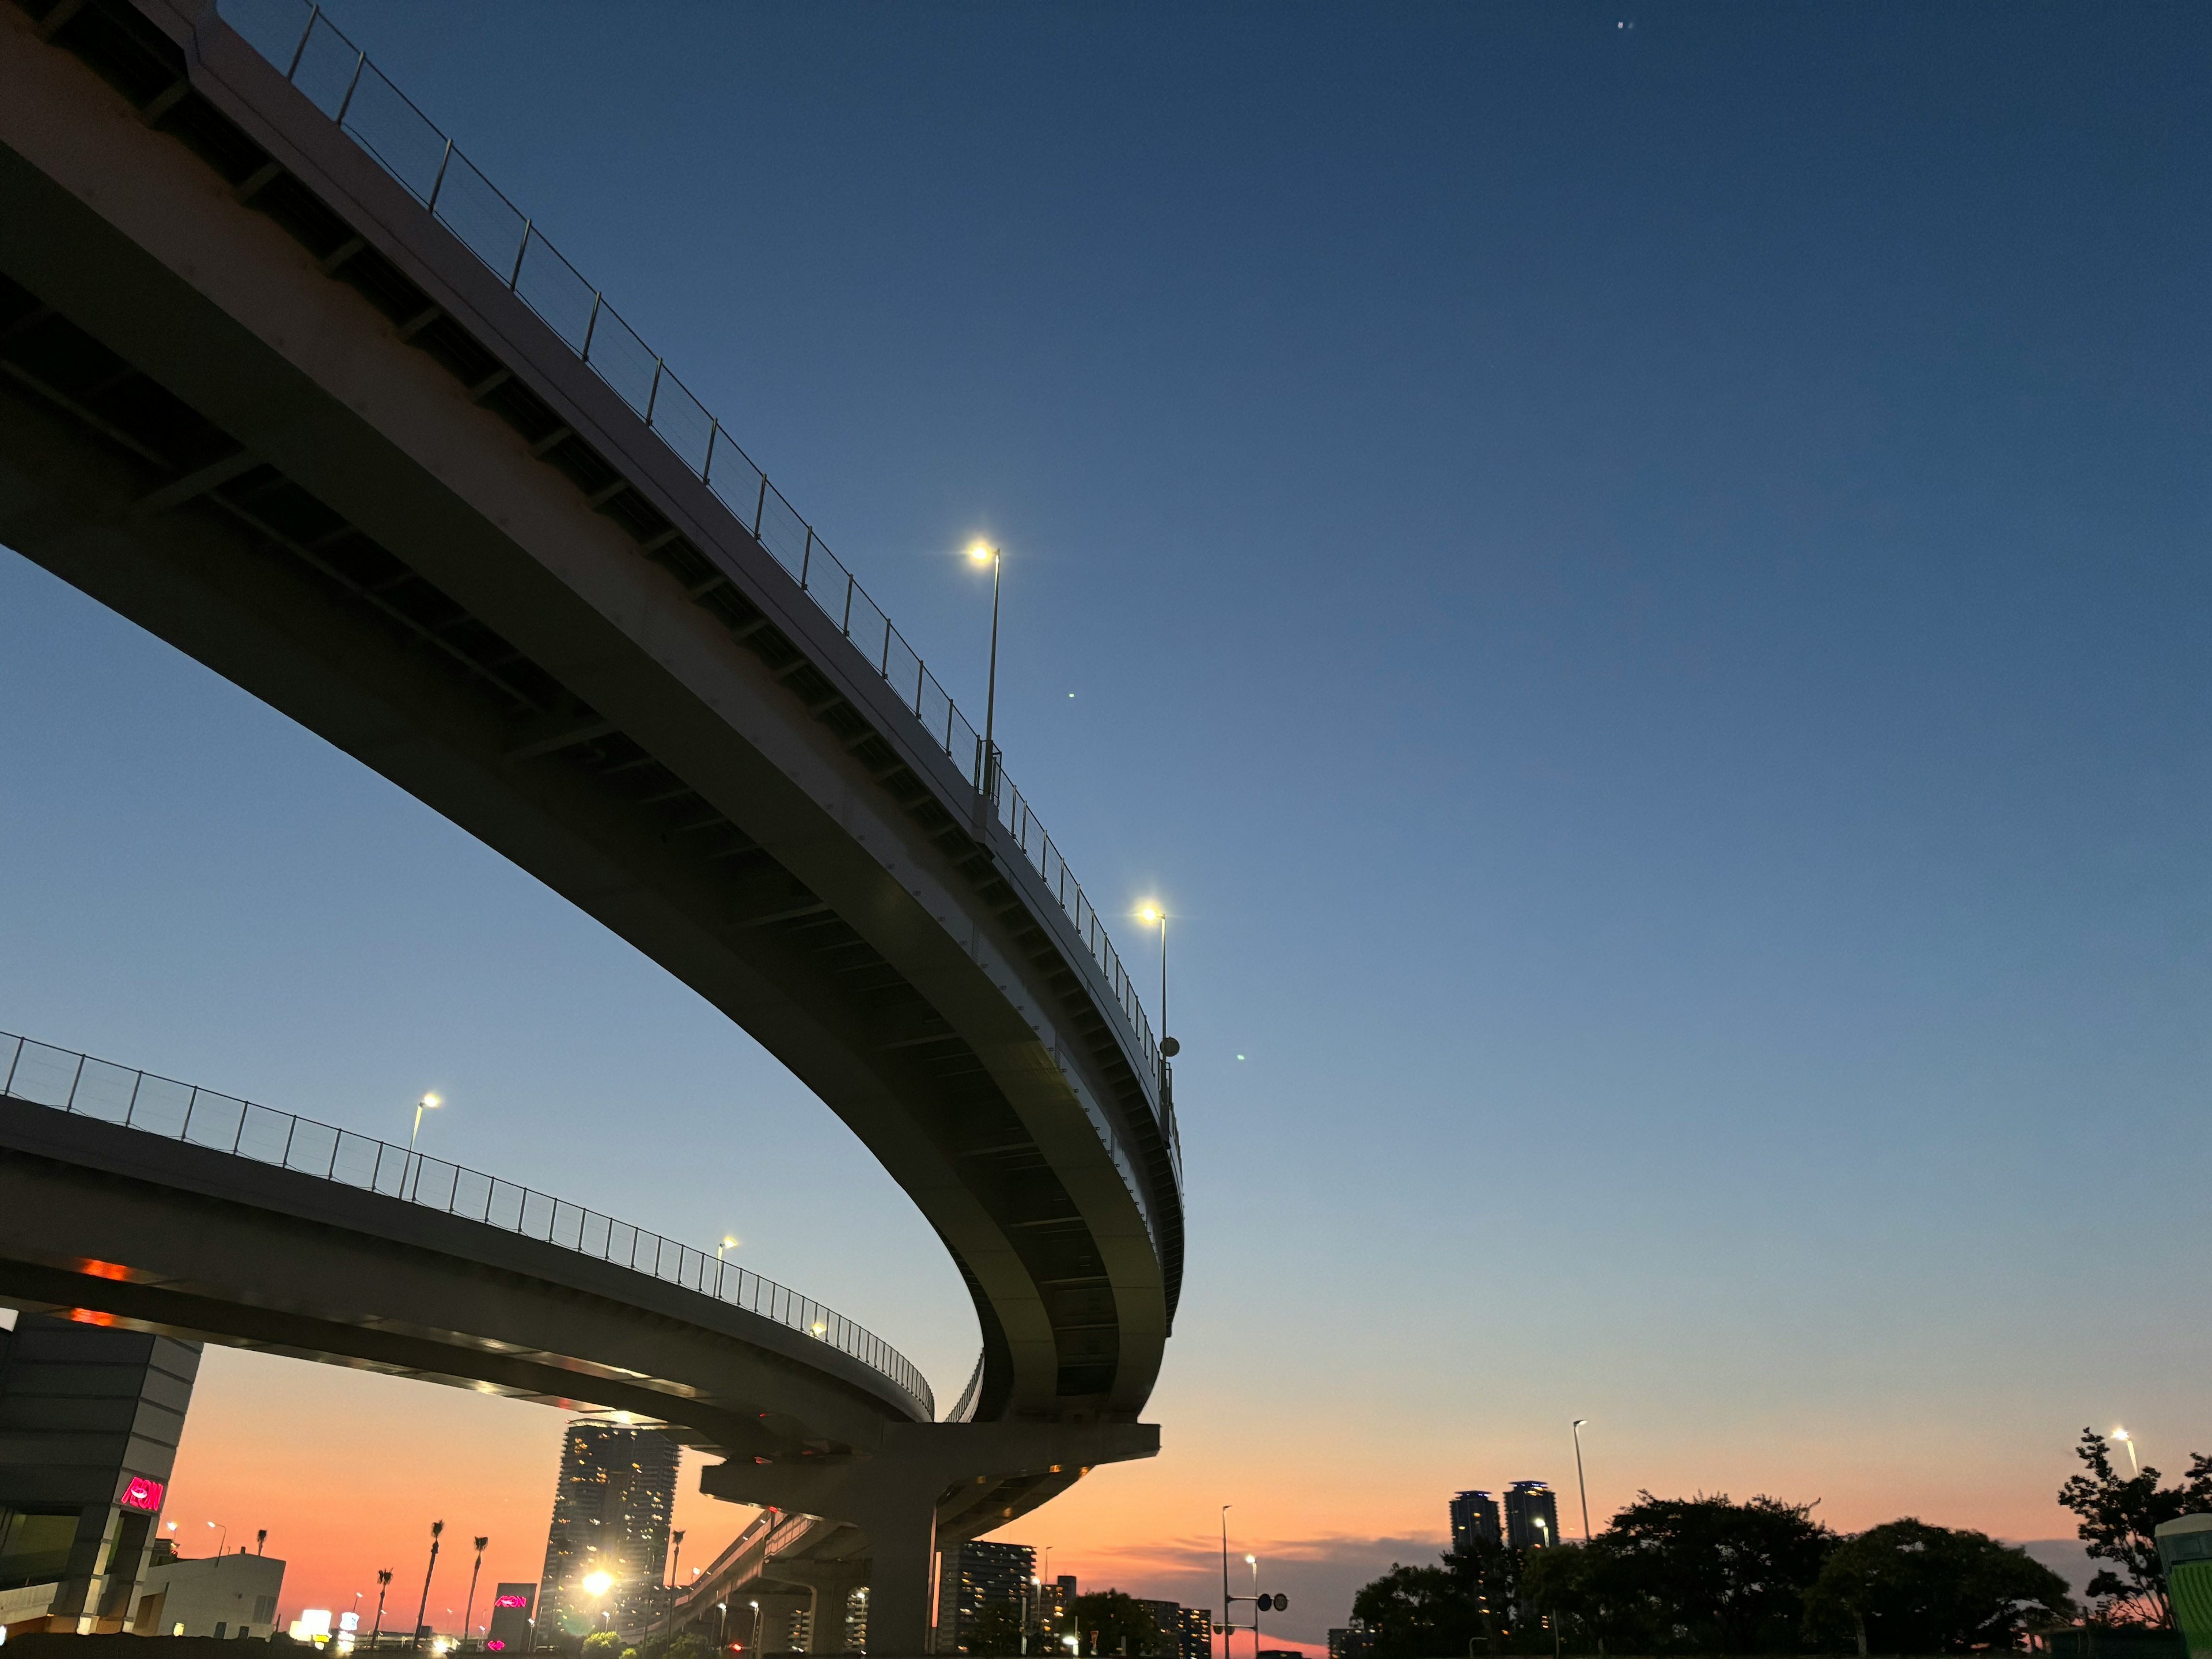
<point>983,553</point>
<point>1252,1561</point>
<point>754,1605</point>
<point>223,1538</point>
<point>428,1103</point>
<point>1579,1485</point>
<point>1153,914</point>
<point>2129,1441</point>
<point>722,1624</point>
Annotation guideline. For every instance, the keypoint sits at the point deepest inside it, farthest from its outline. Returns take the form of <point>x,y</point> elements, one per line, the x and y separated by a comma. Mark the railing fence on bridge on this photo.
<point>83,1086</point>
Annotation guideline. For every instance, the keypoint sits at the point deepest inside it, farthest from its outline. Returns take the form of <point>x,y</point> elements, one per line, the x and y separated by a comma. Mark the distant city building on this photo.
<point>1355,1640</point>
<point>1167,1617</point>
<point>92,1416</point>
<point>610,1510</point>
<point>1474,1518</point>
<point>228,1596</point>
<point>1193,1633</point>
<point>1060,1597</point>
<point>974,1575</point>
<point>514,1615</point>
<point>1532,1516</point>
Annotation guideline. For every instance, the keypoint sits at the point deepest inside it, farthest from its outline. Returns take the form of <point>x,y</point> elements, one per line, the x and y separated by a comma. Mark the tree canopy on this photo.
<point>2118,1519</point>
<point>1906,1587</point>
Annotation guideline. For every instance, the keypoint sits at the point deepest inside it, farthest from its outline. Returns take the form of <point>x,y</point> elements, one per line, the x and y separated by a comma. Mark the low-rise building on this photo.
<point>222,1595</point>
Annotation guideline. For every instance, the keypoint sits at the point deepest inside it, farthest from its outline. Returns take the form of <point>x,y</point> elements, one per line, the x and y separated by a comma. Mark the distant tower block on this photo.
<point>610,1515</point>
<point>1474,1519</point>
<point>1532,1516</point>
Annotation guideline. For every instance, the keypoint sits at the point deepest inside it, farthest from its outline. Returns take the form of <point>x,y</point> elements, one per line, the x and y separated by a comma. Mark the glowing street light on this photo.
<point>1153,914</point>
<point>729,1243</point>
<point>428,1103</point>
<point>983,553</point>
<point>1580,1485</point>
<point>2129,1441</point>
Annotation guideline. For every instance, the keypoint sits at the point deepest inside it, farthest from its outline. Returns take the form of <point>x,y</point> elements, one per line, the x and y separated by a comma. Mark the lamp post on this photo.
<point>721,1623</point>
<point>383,1583</point>
<point>469,1612</point>
<point>756,1608</point>
<point>982,553</point>
<point>1253,1561</point>
<point>223,1537</point>
<point>421,1612</point>
<point>1228,1601</point>
<point>1580,1485</point>
<point>2129,1441</point>
<point>428,1103</point>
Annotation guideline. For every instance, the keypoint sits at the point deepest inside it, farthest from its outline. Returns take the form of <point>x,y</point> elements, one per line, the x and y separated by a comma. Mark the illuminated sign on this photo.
<point>511,1602</point>
<point>496,1647</point>
<point>142,1495</point>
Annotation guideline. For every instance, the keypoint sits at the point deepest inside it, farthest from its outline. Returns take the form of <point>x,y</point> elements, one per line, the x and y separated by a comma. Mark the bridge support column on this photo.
<point>830,1585</point>
<point>894,1494</point>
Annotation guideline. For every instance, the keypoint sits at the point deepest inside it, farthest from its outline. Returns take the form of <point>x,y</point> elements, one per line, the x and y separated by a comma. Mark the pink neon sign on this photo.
<point>142,1495</point>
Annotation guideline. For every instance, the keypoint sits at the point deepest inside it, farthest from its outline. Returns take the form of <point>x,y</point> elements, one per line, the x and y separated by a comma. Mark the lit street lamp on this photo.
<point>983,553</point>
<point>756,1608</point>
<point>428,1103</point>
<point>2129,1441</point>
<point>223,1537</point>
<point>1579,1485</point>
<point>1153,914</point>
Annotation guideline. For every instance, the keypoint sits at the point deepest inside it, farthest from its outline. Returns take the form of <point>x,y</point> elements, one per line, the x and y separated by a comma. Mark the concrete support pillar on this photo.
<point>778,1610</point>
<point>830,1586</point>
<point>892,1494</point>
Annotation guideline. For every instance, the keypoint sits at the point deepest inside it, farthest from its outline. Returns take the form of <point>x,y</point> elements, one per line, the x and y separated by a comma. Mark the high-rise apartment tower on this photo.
<point>1474,1518</point>
<point>1532,1516</point>
<point>611,1514</point>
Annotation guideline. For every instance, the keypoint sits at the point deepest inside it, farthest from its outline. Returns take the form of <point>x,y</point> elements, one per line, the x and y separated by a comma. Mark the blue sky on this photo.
<point>1639,590</point>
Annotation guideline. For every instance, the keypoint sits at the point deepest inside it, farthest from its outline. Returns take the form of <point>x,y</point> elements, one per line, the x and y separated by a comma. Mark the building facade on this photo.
<point>1532,1516</point>
<point>970,1577</point>
<point>610,1512</point>
<point>1193,1633</point>
<point>1474,1520</point>
<point>226,1596</point>
<point>513,1618</point>
<point>89,1419</point>
<point>1352,1641</point>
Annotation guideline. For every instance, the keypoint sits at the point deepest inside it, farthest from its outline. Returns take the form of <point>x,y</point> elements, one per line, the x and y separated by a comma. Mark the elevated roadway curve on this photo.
<point>256,398</point>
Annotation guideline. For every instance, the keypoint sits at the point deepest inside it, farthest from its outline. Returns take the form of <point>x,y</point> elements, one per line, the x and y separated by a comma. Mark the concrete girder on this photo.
<point>123,232</point>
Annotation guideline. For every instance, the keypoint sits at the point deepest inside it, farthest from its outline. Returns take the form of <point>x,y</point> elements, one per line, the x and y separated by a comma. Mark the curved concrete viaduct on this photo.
<point>254,397</point>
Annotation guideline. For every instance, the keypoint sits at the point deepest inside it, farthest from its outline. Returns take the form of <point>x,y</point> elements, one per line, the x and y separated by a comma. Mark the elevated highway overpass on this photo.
<point>315,412</point>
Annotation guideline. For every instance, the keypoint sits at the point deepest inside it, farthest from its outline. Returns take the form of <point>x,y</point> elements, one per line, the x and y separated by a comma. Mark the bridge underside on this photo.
<point>164,457</point>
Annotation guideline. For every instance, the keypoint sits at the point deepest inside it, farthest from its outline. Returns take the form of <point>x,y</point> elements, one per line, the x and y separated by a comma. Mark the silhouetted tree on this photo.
<point>1418,1613</point>
<point>1906,1587</point>
<point>1701,1573</point>
<point>2118,1520</point>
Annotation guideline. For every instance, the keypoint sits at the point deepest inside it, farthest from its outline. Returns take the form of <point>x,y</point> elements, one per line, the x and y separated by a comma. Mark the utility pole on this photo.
<point>1581,1485</point>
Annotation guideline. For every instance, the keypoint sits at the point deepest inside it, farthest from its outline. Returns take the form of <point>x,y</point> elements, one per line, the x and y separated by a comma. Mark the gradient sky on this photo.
<point>1636,578</point>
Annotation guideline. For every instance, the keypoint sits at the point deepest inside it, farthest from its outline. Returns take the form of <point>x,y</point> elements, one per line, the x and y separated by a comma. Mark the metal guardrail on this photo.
<point>338,78</point>
<point>38,1074</point>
